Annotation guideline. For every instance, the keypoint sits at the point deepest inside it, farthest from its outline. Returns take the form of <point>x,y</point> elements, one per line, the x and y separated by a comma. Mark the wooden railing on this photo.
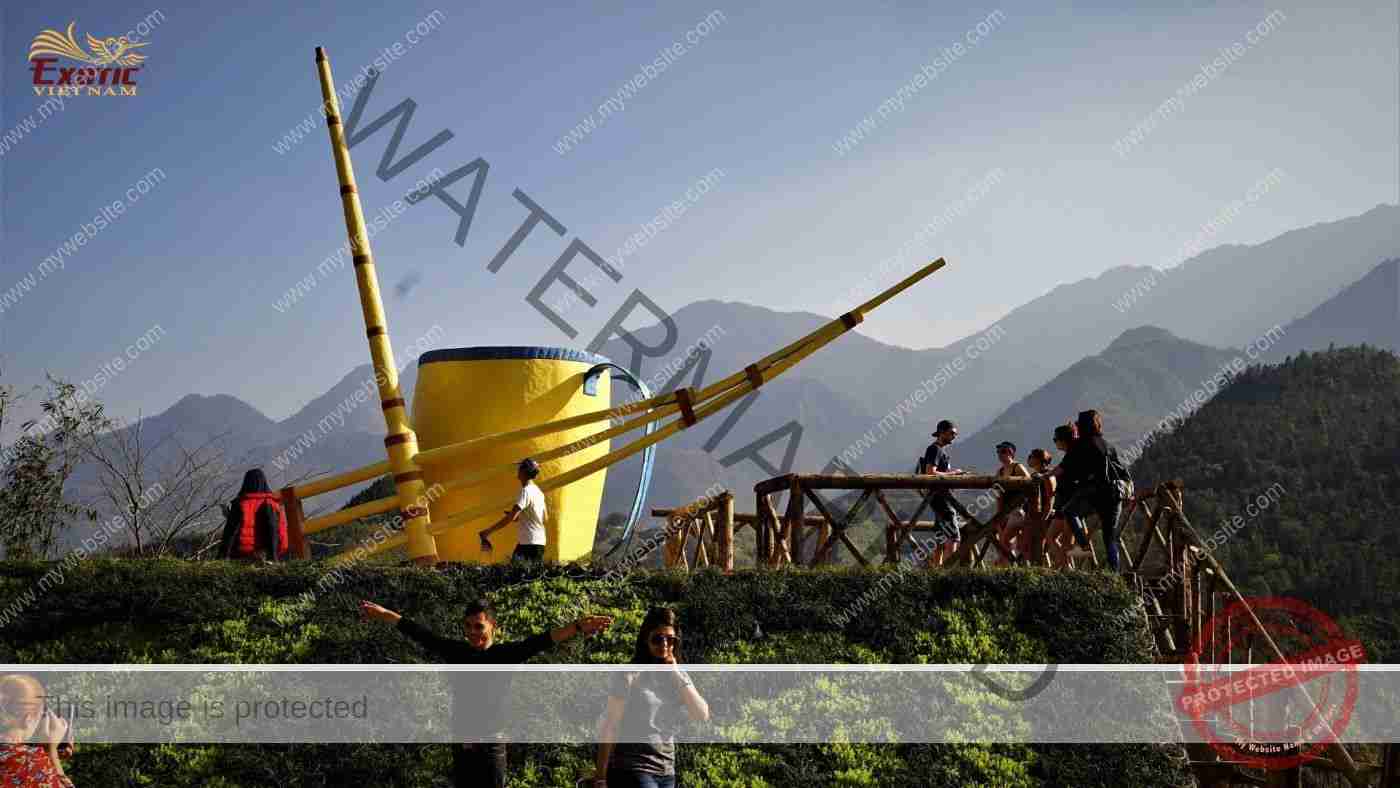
<point>784,537</point>
<point>712,523</point>
<point>1164,559</point>
<point>298,527</point>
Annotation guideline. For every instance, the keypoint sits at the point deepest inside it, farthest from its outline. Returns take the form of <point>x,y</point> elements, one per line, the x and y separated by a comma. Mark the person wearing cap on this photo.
<point>1010,532</point>
<point>936,462</point>
<point>528,513</point>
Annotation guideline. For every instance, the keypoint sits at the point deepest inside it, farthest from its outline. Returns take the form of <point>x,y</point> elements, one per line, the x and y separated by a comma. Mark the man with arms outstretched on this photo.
<point>481,761</point>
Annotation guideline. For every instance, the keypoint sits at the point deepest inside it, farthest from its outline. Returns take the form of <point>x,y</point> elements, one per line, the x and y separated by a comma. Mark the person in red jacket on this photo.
<point>256,525</point>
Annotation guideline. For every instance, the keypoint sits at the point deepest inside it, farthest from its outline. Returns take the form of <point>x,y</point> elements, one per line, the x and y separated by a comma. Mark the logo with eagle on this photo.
<point>109,51</point>
<point>107,65</point>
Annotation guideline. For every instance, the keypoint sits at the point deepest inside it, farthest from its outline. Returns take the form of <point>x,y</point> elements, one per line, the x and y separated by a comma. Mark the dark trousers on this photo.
<point>479,765</point>
<point>528,552</point>
<point>1108,508</point>
<point>621,779</point>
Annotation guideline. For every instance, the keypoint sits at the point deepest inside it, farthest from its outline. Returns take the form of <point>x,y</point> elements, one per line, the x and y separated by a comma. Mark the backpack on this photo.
<point>1120,482</point>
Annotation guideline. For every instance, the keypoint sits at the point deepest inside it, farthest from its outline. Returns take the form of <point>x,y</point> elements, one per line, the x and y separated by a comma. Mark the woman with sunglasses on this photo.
<point>637,747</point>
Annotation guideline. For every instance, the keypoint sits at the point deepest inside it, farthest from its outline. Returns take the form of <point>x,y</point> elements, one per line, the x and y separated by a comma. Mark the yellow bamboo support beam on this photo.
<point>341,480</point>
<point>701,413</point>
<point>400,442</point>
<point>665,403</point>
<point>721,393</point>
<point>443,454</point>
<point>497,471</point>
<point>351,514</point>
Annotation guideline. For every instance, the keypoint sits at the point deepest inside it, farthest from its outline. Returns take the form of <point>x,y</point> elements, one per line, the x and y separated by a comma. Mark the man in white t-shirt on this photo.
<point>529,512</point>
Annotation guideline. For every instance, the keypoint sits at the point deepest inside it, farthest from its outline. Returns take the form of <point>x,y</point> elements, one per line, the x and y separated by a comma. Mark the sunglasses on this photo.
<point>662,640</point>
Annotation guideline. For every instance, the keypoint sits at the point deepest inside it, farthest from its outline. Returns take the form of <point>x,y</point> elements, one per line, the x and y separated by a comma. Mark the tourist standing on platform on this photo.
<point>936,462</point>
<point>1011,533</point>
<point>1062,536</point>
<point>1090,467</point>
<point>1039,507</point>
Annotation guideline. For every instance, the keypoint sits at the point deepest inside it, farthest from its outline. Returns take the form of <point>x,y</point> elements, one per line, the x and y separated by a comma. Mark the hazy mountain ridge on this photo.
<point>1367,312</point>
<point>1024,382</point>
<point>1141,377</point>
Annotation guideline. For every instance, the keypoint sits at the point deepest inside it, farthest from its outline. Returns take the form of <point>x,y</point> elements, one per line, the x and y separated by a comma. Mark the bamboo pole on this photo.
<point>400,442</point>
<point>341,480</point>
<point>503,469</point>
<point>472,513</point>
<point>718,395</point>
<point>822,336</point>
<point>743,386</point>
<point>351,514</point>
<point>703,412</point>
<point>660,407</point>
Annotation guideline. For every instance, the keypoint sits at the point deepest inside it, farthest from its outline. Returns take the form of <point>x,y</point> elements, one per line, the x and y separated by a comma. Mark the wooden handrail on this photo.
<point>912,481</point>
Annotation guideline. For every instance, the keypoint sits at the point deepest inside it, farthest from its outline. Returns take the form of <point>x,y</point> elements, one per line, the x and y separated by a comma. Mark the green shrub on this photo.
<point>177,612</point>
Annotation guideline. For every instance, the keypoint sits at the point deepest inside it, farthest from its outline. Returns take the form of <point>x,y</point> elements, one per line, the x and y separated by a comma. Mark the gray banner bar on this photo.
<point>748,703</point>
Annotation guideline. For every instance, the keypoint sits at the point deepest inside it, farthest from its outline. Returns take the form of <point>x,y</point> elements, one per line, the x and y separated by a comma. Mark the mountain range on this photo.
<point>1134,341</point>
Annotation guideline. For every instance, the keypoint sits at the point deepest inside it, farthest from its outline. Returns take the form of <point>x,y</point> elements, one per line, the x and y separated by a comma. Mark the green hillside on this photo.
<point>215,612</point>
<point>1307,455</point>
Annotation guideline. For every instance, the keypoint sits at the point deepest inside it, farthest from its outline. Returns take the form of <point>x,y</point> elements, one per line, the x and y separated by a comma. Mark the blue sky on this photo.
<point>763,97</point>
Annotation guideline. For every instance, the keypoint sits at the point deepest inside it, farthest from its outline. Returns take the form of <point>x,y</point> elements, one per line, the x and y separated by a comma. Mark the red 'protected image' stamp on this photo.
<point>1273,714</point>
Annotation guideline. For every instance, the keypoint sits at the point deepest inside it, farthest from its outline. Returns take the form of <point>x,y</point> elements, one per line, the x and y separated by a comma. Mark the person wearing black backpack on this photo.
<point>1099,481</point>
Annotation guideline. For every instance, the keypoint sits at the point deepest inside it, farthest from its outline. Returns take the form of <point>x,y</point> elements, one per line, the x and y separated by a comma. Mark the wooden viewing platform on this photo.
<point>1163,559</point>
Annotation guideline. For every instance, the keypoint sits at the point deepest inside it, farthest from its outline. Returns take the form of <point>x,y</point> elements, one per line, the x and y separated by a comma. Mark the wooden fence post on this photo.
<point>760,530</point>
<point>796,517</point>
<point>296,536</point>
<point>724,540</point>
